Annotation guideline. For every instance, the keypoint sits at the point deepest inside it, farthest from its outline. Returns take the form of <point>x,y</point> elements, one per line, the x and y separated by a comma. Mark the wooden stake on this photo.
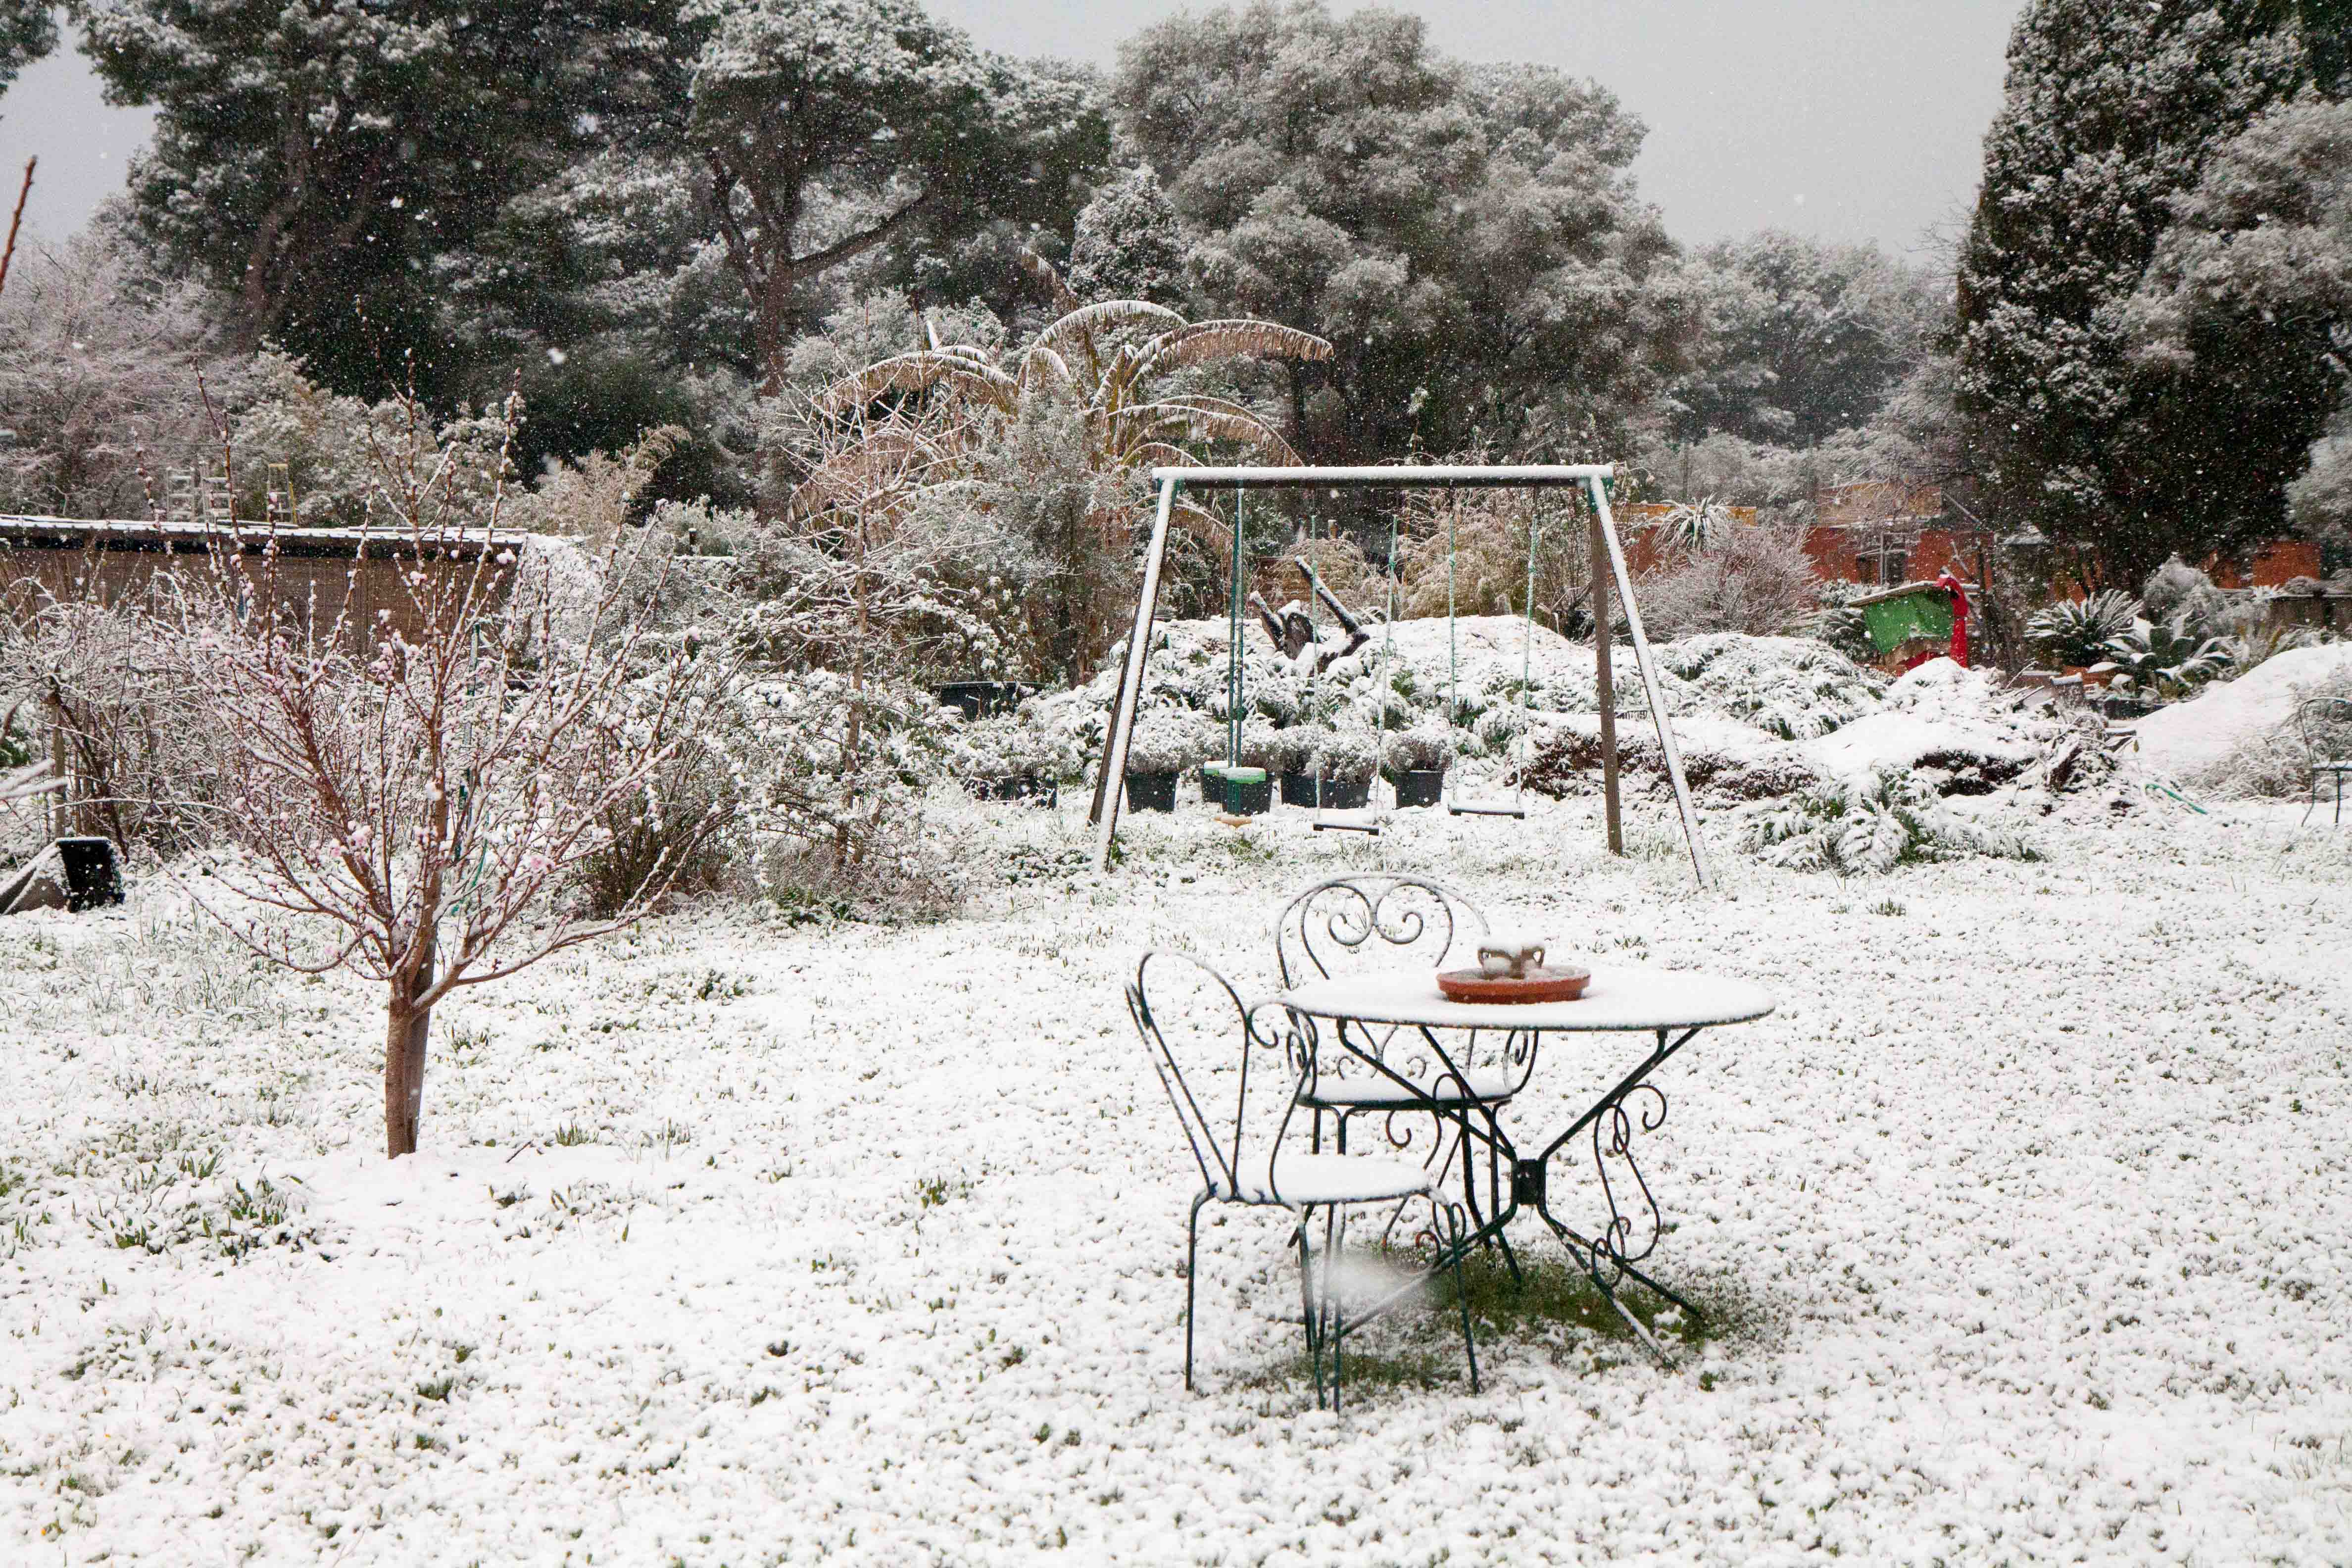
<point>1607,679</point>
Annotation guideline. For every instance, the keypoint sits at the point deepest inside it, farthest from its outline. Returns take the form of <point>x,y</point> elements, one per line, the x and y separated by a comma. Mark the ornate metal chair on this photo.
<point>2326,726</point>
<point>1234,1075</point>
<point>1388,923</point>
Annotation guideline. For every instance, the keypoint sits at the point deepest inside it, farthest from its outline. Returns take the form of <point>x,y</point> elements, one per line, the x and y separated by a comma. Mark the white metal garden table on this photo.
<point>1462,1061</point>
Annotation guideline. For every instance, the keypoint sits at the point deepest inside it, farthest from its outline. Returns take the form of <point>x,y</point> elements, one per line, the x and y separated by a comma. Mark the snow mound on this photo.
<point>2239,737</point>
<point>1942,718</point>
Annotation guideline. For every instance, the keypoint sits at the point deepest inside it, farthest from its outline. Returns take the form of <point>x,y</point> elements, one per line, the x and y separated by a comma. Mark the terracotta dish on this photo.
<point>1542,983</point>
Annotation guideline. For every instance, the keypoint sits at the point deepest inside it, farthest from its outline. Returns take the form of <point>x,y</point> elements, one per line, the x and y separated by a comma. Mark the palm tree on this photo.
<point>1108,360</point>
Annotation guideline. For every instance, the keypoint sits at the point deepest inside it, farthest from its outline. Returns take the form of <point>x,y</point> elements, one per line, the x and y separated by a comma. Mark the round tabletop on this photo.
<point>1617,999</point>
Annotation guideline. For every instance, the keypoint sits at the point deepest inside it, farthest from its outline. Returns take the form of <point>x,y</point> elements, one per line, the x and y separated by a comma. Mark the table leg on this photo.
<point>1634,1106</point>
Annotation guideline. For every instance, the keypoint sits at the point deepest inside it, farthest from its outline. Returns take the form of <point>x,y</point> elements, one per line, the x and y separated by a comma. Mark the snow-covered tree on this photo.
<point>1468,237</point>
<point>1129,244</point>
<point>1805,338</point>
<point>27,32</point>
<point>314,160</point>
<point>2112,112</point>
<point>827,129</point>
<point>2249,293</point>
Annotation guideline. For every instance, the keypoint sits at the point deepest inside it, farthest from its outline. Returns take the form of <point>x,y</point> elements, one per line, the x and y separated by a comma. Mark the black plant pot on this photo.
<point>1346,795</point>
<point>981,699</point>
<point>1036,791</point>
<point>1151,792</point>
<point>1248,791</point>
<point>1298,788</point>
<point>1212,784</point>
<point>1420,786</point>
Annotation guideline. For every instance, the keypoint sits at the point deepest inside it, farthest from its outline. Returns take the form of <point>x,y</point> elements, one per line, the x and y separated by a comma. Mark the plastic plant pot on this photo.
<point>1212,784</point>
<point>1248,791</point>
<point>1346,795</point>
<point>1421,786</point>
<point>1151,792</point>
<point>1298,788</point>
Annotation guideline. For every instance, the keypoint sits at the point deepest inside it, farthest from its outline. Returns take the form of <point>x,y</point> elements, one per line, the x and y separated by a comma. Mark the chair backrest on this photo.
<point>1375,921</point>
<point>1233,1078</point>
<point>2326,726</point>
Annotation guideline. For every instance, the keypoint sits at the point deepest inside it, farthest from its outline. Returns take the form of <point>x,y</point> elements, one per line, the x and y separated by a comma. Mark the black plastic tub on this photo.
<point>1343,794</point>
<point>1151,792</point>
<point>1421,786</point>
<point>1248,791</point>
<point>1298,788</point>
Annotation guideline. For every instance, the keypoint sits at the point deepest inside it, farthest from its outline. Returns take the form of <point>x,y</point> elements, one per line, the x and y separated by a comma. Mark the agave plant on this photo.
<point>2076,632</point>
<point>2165,659</point>
<point>1111,361</point>
<point>1694,526</point>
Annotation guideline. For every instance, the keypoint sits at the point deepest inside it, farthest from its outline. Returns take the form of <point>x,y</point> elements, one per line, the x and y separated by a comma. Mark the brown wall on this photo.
<point>369,592</point>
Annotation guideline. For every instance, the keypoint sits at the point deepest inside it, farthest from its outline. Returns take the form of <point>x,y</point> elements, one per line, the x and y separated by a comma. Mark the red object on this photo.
<point>1557,982</point>
<point>1960,649</point>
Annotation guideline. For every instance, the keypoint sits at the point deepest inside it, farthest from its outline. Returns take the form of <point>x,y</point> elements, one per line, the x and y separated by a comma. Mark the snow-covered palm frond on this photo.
<point>918,372</point>
<point>1206,343</point>
<point>1049,276</point>
<point>1082,325</point>
<point>1041,366</point>
<point>1147,421</point>
<point>27,781</point>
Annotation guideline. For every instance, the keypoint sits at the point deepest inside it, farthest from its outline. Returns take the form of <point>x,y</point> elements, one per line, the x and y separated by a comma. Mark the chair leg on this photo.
<point>1335,1327</point>
<point>1192,1281</point>
<point>1307,1306</point>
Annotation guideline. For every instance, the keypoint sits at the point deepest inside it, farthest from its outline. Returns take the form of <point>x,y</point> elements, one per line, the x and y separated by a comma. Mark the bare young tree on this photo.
<point>420,790</point>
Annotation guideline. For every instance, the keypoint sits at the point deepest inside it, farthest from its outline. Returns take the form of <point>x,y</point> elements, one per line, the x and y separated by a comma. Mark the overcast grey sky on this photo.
<point>1852,119</point>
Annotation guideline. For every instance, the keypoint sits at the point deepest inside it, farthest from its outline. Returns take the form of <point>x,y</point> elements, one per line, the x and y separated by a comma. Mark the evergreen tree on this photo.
<point>1128,244</point>
<point>829,130</point>
<point>2250,294</point>
<point>1467,236</point>
<point>2113,111</point>
<point>27,31</point>
<point>317,161</point>
<point>1804,339</point>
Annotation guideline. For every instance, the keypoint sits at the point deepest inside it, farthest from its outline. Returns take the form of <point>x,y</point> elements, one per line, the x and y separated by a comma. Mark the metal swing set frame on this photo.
<point>1592,479</point>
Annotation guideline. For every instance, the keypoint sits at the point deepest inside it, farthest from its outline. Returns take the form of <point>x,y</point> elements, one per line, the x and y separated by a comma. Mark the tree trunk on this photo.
<point>404,1060</point>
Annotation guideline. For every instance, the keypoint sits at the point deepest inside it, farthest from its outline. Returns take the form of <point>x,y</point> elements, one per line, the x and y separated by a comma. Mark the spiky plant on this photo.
<point>2165,659</point>
<point>1857,827</point>
<point>2075,631</point>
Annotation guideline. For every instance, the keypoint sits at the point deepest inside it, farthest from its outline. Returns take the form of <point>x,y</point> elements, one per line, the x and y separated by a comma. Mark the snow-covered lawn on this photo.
<point>738,1242</point>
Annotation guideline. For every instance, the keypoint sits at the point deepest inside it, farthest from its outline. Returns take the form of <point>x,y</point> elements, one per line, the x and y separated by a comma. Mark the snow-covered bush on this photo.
<point>1856,826</point>
<point>1346,756</point>
<point>1296,747</point>
<point>2074,633</point>
<point>1166,742</point>
<point>1427,747</point>
<point>1794,688</point>
<point>2178,593</point>
<point>1757,580</point>
<point>1013,745</point>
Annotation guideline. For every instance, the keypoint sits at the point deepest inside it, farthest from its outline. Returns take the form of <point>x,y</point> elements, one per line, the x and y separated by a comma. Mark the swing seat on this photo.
<point>1349,822</point>
<point>1474,809</point>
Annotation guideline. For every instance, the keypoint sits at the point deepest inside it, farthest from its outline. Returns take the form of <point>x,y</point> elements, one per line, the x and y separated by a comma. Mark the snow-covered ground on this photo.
<point>740,1242</point>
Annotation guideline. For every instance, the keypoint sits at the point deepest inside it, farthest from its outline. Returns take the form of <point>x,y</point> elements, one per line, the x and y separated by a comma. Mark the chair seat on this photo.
<point>1327,1179</point>
<point>1476,1086</point>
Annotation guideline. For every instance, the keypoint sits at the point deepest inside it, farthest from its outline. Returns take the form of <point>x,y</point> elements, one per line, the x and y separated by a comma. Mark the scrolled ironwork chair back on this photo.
<point>1233,1075</point>
<point>1375,921</point>
<point>2326,724</point>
